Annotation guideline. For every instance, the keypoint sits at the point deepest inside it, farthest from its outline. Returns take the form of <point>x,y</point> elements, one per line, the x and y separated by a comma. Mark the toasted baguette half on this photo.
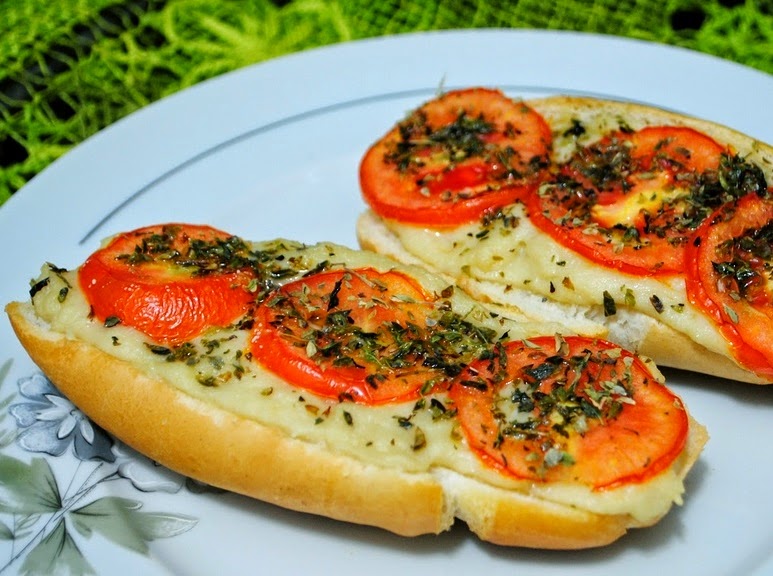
<point>516,268</point>
<point>267,438</point>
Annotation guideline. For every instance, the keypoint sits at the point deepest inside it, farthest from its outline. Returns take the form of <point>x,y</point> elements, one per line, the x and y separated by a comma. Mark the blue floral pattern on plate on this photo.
<point>43,515</point>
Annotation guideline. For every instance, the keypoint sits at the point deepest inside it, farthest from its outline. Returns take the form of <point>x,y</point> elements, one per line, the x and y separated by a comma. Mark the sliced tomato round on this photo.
<point>730,277</point>
<point>171,282</point>
<point>631,200</point>
<point>576,410</point>
<point>356,335</point>
<point>455,157</point>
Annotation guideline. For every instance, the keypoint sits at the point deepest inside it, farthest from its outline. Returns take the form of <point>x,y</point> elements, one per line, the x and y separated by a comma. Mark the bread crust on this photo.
<point>664,344</point>
<point>559,110</point>
<point>242,455</point>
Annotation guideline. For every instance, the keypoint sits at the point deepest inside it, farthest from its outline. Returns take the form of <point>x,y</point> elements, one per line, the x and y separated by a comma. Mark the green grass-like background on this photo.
<point>71,68</point>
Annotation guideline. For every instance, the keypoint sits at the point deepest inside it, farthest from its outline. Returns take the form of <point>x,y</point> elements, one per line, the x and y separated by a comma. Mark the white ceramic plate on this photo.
<point>273,150</point>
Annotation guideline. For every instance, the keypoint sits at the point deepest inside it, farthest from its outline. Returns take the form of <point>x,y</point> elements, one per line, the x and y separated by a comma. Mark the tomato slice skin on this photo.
<point>625,202</point>
<point>339,334</point>
<point>729,275</point>
<point>455,157</point>
<point>138,281</point>
<point>574,410</point>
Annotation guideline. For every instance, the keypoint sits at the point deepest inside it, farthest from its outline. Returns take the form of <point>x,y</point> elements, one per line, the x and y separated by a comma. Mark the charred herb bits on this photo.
<point>215,360</point>
<point>539,410</point>
<point>173,282</point>
<point>455,158</point>
<point>729,275</point>
<point>364,336</point>
<point>633,199</point>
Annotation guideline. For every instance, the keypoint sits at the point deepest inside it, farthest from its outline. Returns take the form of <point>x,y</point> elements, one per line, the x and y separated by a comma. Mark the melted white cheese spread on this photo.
<point>371,434</point>
<point>521,258</point>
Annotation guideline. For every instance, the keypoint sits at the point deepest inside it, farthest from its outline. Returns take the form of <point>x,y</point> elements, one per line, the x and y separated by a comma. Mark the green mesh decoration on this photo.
<point>71,68</point>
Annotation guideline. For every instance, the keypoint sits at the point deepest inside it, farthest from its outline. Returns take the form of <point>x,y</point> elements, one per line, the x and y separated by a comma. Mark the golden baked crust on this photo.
<point>559,111</point>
